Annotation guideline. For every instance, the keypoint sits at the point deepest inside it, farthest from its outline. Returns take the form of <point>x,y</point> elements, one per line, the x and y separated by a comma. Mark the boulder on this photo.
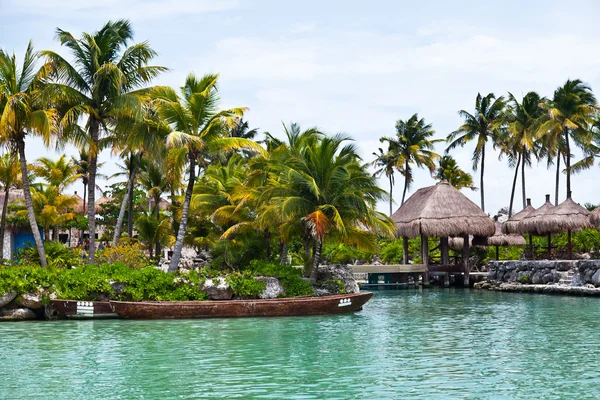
<point>536,279</point>
<point>339,272</point>
<point>7,298</point>
<point>30,300</point>
<point>217,289</point>
<point>273,289</point>
<point>547,278</point>
<point>17,314</point>
<point>596,278</point>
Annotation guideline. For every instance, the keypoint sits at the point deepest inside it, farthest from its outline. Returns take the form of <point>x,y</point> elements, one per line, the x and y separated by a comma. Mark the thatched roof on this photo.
<point>595,218</point>
<point>511,225</point>
<point>441,211</point>
<point>529,224</point>
<point>500,239</point>
<point>78,208</point>
<point>13,194</point>
<point>567,216</point>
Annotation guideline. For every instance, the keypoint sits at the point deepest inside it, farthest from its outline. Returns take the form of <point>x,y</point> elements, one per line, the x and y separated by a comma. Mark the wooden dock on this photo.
<point>399,275</point>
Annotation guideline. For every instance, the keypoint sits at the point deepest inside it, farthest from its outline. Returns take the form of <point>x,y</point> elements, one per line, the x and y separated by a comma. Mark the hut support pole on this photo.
<point>466,260</point>
<point>549,246</point>
<point>445,259</point>
<point>569,246</point>
<point>530,246</point>
<point>425,253</point>
<point>497,255</point>
<point>404,250</point>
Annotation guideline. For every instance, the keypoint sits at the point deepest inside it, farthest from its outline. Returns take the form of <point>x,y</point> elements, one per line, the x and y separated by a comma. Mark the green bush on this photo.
<point>290,277</point>
<point>243,284</point>
<point>339,253</point>
<point>129,253</point>
<point>57,254</point>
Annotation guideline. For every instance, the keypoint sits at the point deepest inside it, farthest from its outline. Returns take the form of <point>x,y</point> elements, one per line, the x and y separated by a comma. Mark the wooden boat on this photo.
<point>298,306</point>
<point>75,309</point>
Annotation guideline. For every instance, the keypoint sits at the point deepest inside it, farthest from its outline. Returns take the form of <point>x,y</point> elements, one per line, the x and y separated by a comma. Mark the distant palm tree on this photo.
<point>60,173</point>
<point>412,145</point>
<point>386,163</point>
<point>481,126</point>
<point>22,113</point>
<point>571,112</point>
<point>523,120</point>
<point>449,171</point>
<point>102,85</point>
<point>10,178</point>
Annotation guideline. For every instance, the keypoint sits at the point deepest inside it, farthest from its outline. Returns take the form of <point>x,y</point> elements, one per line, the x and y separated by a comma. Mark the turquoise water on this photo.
<point>404,344</point>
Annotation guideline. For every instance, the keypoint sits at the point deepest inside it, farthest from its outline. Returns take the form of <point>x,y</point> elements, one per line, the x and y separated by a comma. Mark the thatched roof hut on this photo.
<point>78,208</point>
<point>501,239</point>
<point>13,194</point>
<point>441,211</point>
<point>568,216</point>
<point>511,226</point>
<point>529,224</point>
<point>595,218</point>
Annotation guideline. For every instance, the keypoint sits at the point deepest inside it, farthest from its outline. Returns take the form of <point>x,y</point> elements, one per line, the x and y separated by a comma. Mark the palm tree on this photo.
<point>199,128</point>
<point>103,84</point>
<point>412,145</point>
<point>482,126</point>
<point>571,112</point>
<point>386,163</point>
<point>23,112</point>
<point>522,127</point>
<point>10,178</point>
<point>327,189</point>
<point>60,173</point>
<point>449,171</point>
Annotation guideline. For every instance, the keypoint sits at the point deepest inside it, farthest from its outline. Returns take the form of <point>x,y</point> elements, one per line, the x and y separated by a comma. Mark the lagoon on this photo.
<point>421,344</point>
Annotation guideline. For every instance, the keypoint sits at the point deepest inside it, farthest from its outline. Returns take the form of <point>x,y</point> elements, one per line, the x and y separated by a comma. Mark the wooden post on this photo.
<point>404,250</point>
<point>531,246</point>
<point>569,245</point>
<point>497,256</point>
<point>549,246</point>
<point>425,254</point>
<point>467,269</point>
<point>445,259</point>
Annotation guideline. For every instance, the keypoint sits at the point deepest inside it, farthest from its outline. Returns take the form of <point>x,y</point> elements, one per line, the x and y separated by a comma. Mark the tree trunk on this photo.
<point>317,260</point>
<point>568,160</point>
<point>523,183</point>
<point>514,186</point>
<point>83,208</point>
<point>128,195</point>
<point>557,179</point>
<point>157,250</point>
<point>391,188</point>
<point>29,204</point>
<point>282,252</point>
<point>174,264</point>
<point>93,165</point>
<point>3,221</point>
<point>481,179</point>
<point>55,233</point>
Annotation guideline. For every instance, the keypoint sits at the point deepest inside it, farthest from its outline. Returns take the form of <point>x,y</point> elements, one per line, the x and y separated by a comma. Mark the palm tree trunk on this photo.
<point>3,221</point>
<point>481,179</point>
<point>84,196</point>
<point>557,179</point>
<point>317,260</point>
<point>391,187</point>
<point>157,249</point>
<point>282,252</point>
<point>514,185</point>
<point>29,204</point>
<point>523,183</point>
<point>568,160</point>
<point>55,233</point>
<point>174,264</point>
<point>93,166</point>
<point>267,235</point>
<point>128,195</point>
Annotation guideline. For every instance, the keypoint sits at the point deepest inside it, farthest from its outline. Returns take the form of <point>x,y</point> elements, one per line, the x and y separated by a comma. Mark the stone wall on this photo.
<point>546,272</point>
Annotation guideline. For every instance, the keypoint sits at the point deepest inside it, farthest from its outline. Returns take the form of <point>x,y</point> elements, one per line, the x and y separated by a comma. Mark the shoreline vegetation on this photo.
<point>195,177</point>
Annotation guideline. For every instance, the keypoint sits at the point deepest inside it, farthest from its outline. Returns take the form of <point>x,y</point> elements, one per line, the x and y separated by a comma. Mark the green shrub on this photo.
<point>243,284</point>
<point>290,277</point>
<point>57,254</point>
<point>129,253</point>
<point>339,253</point>
<point>333,286</point>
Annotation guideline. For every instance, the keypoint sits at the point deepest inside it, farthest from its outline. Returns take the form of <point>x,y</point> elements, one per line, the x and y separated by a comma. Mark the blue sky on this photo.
<point>352,66</point>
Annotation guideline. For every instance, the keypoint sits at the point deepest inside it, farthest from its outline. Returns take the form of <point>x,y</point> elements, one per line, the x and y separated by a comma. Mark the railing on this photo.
<point>389,269</point>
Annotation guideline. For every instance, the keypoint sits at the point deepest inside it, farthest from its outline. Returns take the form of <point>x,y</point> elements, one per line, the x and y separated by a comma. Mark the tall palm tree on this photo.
<point>23,112</point>
<point>331,193</point>
<point>449,171</point>
<point>523,120</point>
<point>199,128</point>
<point>10,178</point>
<point>386,163</point>
<point>412,145</point>
<point>103,83</point>
<point>571,115</point>
<point>481,126</point>
<point>60,173</point>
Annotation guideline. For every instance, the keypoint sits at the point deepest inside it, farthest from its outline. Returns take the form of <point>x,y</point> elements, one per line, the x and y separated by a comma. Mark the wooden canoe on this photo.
<point>298,306</point>
<point>75,309</point>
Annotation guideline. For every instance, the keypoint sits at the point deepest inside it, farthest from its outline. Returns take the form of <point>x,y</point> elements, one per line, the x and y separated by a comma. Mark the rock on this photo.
<point>217,289</point>
<point>596,278</point>
<point>7,298</point>
<point>17,314</point>
<point>536,279</point>
<point>589,286</point>
<point>339,272</point>
<point>547,278</point>
<point>273,289</point>
<point>576,280</point>
<point>486,285</point>
<point>30,300</point>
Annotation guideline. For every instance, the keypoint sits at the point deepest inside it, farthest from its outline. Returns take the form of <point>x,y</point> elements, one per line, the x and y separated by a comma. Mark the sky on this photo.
<point>351,66</point>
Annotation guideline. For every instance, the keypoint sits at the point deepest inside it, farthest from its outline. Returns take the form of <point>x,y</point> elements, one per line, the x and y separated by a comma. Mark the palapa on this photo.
<point>441,211</point>
<point>511,226</point>
<point>500,239</point>
<point>568,216</point>
<point>78,207</point>
<point>595,218</point>
<point>13,194</point>
<point>529,224</point>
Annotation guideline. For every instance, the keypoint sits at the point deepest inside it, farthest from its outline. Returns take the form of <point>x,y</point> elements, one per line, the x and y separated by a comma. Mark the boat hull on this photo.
<point>75,309</point>
<point>338,304</point>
